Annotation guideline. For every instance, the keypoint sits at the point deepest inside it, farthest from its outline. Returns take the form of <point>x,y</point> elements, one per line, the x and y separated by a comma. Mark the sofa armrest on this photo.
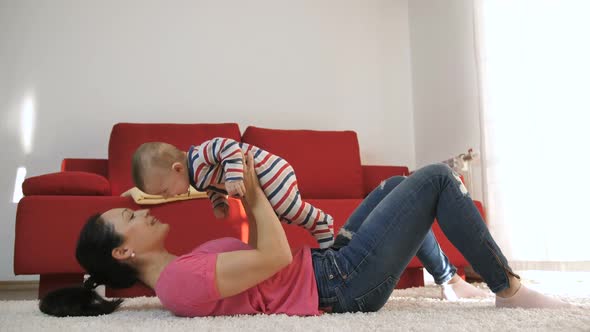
<point>373,175</point>
<point>97,166</point>
<point>67,183</point>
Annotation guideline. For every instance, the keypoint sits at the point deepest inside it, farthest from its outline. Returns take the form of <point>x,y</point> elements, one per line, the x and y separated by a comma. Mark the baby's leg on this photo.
<point>316,221</point>
<point>280,187</point>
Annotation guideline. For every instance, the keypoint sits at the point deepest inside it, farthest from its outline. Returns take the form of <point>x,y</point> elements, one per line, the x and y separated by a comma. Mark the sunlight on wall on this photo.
<point>27,123</point>
<point>536,74</point>
<point>21,173</point>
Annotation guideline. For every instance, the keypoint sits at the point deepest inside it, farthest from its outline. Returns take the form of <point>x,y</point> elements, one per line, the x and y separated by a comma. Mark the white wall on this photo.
<point>314,64</point>
<point>445,88</point>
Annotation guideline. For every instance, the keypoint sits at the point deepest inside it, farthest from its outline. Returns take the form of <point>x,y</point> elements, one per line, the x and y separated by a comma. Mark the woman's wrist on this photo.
<point>254,195</point>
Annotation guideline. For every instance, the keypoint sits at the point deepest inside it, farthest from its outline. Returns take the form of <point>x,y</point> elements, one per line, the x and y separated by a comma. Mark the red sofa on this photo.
<point>55,206</point>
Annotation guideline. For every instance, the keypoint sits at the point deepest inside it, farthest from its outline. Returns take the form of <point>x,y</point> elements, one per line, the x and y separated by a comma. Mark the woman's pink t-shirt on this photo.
<point>187,285</point>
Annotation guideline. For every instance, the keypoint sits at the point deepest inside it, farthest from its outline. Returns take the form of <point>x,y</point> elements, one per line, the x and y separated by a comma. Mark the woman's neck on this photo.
<point>150,271</point>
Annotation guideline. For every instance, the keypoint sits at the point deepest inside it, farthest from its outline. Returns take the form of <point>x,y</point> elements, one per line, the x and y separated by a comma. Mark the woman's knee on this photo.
<point>391,183</point>
<point>444,170</point>
<point>437,170</point>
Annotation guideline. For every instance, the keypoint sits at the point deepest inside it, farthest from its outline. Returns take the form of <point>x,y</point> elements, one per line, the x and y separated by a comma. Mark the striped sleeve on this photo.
<point>225,152</point>
<point>230,154</point>
<point>210,150</point>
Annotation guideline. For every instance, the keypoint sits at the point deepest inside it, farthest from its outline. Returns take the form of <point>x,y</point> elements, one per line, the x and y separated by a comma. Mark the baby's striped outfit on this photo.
<point>219,160</point>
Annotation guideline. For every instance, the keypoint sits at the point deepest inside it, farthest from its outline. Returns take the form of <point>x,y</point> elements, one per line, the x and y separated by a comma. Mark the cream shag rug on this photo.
<point>415,309</point>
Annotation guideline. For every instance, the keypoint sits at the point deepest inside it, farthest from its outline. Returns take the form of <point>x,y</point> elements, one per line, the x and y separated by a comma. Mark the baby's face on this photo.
<point>166,183</point>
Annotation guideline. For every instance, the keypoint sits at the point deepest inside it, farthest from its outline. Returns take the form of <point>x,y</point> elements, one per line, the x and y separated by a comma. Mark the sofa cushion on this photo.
<point>327,163</point>
<point>67,183</point>
<point>127,137</point>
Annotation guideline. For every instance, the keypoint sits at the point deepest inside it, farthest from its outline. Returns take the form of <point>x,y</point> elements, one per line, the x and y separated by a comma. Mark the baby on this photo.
<point>216,166</point>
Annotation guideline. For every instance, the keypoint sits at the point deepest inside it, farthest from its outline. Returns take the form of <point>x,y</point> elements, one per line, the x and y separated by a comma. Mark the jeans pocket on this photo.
<point>337,267</point>
<point>376,297</point>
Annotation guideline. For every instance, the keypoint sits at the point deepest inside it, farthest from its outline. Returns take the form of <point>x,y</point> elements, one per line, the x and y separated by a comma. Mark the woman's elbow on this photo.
<point>288,258</point>
<point>285,259</point>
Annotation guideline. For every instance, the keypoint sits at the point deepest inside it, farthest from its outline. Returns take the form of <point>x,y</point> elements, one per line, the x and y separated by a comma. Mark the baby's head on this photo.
<point>160,169</point>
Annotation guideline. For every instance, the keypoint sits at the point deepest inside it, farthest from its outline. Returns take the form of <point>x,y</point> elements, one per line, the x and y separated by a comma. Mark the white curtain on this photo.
<point>534,66</point>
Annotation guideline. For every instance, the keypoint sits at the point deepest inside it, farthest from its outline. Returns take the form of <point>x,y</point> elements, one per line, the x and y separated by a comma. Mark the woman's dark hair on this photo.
<point>93,251</point>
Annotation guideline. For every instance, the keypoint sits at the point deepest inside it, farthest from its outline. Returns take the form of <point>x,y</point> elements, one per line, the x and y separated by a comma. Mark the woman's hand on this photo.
<point>250,180</point>
<point>251,183</point>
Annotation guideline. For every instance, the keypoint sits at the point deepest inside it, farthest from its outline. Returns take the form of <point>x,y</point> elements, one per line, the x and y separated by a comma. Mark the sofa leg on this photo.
<point>49,282</point>
<point>412,277</point>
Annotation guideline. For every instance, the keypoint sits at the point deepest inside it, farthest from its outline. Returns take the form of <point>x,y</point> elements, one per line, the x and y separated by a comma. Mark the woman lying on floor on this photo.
<point>358,273</point>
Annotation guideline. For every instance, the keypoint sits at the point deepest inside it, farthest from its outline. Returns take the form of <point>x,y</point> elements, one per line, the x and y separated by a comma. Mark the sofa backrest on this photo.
<point>327,163</point>
<point>127,137</point>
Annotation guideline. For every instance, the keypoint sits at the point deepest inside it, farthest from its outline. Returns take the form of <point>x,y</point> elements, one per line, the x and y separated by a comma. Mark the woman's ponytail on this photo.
<point>93,251</point>
<point>78,301</point>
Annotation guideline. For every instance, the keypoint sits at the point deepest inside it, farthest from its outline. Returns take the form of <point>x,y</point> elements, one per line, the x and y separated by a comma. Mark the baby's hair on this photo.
<point>152,155</point>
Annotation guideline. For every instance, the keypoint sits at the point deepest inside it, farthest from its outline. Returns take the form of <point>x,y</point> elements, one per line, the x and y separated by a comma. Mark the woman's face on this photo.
<point>142,232</point>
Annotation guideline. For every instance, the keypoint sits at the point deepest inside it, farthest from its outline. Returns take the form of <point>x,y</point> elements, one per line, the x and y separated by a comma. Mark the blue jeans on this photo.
<point>390,227</point>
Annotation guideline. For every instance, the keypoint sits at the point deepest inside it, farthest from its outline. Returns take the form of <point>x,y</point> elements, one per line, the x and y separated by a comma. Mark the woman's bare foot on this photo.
<point>457,288</point>
<point>520,296</point>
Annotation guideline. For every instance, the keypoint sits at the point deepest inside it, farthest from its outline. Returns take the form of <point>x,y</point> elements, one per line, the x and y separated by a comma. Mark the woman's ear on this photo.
<point>121,253</point>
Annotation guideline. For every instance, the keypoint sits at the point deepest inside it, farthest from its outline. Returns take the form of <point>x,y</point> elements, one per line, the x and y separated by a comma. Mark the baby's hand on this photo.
<point>221,211</point>
<point>235,188</point>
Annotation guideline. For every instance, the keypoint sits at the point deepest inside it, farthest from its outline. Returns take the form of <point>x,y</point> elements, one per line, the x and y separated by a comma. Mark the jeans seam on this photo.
<point>505,269</point>
<point>360,300</point>
<point>340,299</point>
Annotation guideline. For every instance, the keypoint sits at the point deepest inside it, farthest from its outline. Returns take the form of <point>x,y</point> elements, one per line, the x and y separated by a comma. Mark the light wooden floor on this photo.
<point>18,290</point>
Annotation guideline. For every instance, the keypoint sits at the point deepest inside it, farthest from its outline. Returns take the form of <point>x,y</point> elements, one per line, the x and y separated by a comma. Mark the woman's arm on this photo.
<point>237,271</point>
<point>252,230</point>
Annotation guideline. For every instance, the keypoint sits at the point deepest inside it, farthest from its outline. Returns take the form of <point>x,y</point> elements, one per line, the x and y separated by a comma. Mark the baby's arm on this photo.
<point>228,152</point>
